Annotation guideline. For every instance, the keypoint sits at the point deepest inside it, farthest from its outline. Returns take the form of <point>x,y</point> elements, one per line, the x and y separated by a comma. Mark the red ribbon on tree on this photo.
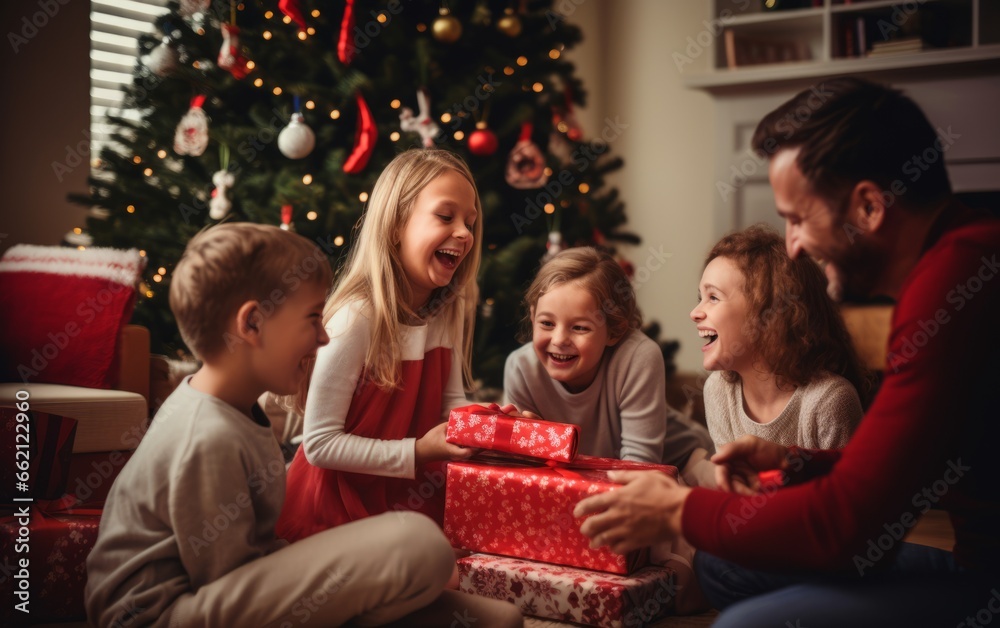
<point>291,9</point>
<point>345,45</point>
<point>364,138</point>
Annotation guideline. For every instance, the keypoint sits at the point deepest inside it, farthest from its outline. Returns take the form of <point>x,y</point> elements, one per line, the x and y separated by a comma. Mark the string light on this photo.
<point>268,15</point>
<point>302,35</point>
<point>363,197</point>
<point>162,270</point>
<point>522,61</point>
<point>338,241</point>
<point>382,18</point>
<point>562,127</point>
<point>257,82</point>
<point>286,20</point>
<point>137,160</point>
<point>266,34</point>
<point>157,278</point>
<point>149,294</point>
<point>315,13</point>
<point>196,65</point>
<point>161,153</point>
<point>334,114</point>
<point>549,208</point>
<point>251,65</point>
<point>548,172</point>
<point>142,253</point>
<point>459,136</point>
<point>554,54</point>
<point>311,216</point>
<point>148,172</point>
<point>508,70</point>
<point>584,188</point>
<point>421,27</point>
<point>130,209</point>
<point>276,91</point>
<point>537,87</point>
<point>394,136</point>
<point>77,230</point>
<point>445,117</point>
<point>395,103</point>
<point>307,179</point>
<point>311,30</point>
<point>490,301</point>
<point>310,104</point>
<point>81,248</point>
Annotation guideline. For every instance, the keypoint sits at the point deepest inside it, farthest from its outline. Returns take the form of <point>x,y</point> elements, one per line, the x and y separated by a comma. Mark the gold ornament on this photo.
<point>446,28</point>
<point>509,24</point>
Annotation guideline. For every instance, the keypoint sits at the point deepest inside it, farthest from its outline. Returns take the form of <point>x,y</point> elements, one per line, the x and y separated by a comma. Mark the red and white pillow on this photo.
<point>62,313</point>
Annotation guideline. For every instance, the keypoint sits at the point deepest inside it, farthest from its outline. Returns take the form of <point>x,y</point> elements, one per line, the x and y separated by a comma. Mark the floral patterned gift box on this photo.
<point>527,511</point>
<point>571,594</point>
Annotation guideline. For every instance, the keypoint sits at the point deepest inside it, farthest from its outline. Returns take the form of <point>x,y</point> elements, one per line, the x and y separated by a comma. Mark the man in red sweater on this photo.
<point>858,175</point>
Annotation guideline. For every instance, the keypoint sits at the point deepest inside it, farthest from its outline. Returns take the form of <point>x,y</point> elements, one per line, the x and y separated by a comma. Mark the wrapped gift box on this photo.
<point>570,594</point>
<point>57,553</point>
<point>488,428</point>
<point>527,511</point>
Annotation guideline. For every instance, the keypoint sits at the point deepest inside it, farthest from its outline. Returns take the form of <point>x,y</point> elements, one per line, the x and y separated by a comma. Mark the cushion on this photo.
<point>63,313</point>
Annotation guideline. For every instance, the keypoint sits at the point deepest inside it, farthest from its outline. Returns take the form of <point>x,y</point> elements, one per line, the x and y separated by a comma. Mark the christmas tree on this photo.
<point>285,112</point>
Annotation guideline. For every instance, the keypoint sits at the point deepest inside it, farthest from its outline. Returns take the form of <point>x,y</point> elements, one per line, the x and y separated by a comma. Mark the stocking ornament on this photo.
<point>220,204</point>
<point>191,136</point>
<point>526,164</point>
<point>286,218</point>
<point>229,56</point>
<point>296,140</point>
<point>422,123</point>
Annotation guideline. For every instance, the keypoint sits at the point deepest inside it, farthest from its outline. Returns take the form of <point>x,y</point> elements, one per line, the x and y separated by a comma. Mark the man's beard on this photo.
<point>852,279</point>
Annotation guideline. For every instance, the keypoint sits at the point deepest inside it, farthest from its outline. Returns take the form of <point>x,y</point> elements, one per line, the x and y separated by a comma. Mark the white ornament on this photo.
<point>554,245</point>
<point>296,140</point>
<point>191,137</point>
<point>423,123</point>
<point>191,7</point>
<point>163,59</point>
<point>219,206</point>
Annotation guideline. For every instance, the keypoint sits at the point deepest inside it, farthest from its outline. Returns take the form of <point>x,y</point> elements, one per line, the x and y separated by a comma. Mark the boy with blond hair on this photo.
<point>187,536</point>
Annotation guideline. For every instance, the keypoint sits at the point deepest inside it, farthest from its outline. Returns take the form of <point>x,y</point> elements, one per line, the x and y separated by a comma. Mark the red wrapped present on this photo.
<point>486,428</point>
<point>36,447</point>
<point>527,511</point>
<point>55,540</point>
<point>571,594</point>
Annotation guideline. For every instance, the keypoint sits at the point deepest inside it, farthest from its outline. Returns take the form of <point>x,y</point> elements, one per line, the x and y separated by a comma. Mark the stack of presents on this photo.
<point>510,510</point>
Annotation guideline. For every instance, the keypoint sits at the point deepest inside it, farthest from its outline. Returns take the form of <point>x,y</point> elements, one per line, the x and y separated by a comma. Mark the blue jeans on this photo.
<point>921,587</point>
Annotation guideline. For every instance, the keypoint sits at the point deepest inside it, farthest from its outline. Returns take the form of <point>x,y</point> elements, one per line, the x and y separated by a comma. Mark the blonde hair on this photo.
<point>600,275</point>
<point>227,265</point>
<point>374,275</point>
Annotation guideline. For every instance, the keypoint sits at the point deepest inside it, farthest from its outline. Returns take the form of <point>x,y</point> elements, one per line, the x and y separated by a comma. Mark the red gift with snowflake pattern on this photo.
<point>571,594</point>
<point>527,511</point>
<point>488,428</point>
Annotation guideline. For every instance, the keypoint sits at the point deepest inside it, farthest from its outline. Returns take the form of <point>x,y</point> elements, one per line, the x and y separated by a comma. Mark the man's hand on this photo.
<point>739,462</point>
<point>646,510</point>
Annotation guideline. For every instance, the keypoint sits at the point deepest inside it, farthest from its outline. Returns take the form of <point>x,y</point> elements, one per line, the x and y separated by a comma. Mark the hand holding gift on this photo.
<point>647,510</point>
<point>432,447</point>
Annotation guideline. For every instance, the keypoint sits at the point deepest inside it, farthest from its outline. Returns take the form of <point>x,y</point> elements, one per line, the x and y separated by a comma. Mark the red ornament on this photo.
<point>483,142</point>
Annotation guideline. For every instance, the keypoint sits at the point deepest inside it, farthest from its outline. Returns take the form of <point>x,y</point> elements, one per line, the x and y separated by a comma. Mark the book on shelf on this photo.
<point>742,51</point>
<point>897,46</point>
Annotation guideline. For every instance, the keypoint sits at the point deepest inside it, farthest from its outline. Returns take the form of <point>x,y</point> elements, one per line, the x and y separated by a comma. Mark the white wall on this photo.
<point>627,62</point>
<point>46,96</point>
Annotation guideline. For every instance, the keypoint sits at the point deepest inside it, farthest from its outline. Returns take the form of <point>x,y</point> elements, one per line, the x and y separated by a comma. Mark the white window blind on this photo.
<point>115,26</point>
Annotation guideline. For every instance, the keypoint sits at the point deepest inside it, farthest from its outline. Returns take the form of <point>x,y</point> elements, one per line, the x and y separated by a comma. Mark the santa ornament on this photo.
<point>422,123</point>
<point>296,140</point>
<point>191,136</point>
<point>526,164</point>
